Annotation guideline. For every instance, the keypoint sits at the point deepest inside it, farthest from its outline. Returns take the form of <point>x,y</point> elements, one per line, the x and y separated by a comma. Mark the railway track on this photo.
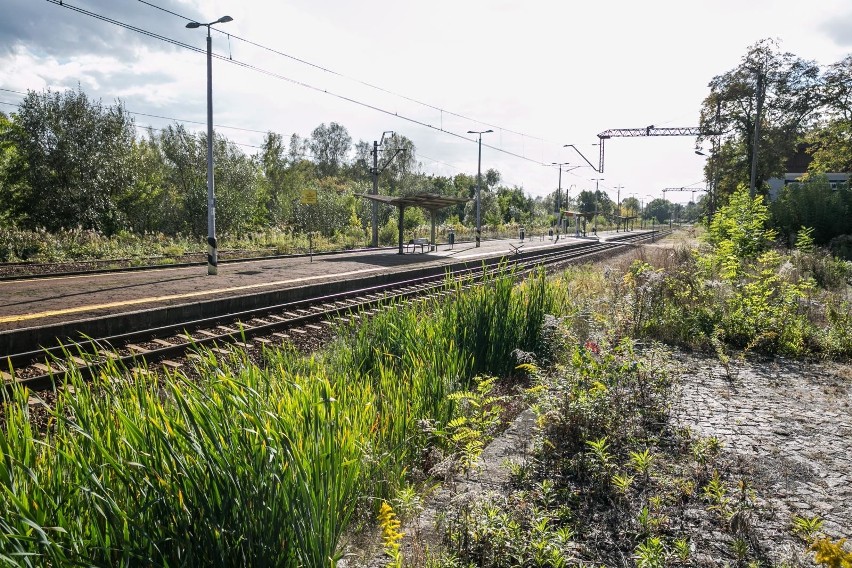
<point>166,345</point>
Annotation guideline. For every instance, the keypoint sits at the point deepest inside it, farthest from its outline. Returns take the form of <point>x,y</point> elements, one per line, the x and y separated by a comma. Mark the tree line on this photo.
<point>67,161</point>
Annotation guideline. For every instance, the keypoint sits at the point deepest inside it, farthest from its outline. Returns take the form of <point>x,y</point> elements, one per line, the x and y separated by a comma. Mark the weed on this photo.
<point>479,416</point>
<point>716,494</point>
<point>622,482</point>
<point>739,548</point>
<point>831,553</point>
<point>807,527</point>
<point>651,553</point>
<point>391,535</point>
<point>682,549</point>
<point>641,463</point>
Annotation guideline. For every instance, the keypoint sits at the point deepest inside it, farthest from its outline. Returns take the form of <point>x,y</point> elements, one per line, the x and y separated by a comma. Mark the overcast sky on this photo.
<point>540,73</point>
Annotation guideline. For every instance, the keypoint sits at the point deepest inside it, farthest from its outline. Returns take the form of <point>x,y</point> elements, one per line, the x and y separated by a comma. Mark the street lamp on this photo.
<point>212,248</point>
<point>479,183</point>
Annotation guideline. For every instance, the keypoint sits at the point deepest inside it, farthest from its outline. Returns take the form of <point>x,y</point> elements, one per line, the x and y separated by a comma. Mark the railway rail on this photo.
<point>43,368</point>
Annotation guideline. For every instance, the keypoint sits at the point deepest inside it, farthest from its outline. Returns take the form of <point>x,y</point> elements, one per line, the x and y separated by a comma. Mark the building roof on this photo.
<point>428,201</point>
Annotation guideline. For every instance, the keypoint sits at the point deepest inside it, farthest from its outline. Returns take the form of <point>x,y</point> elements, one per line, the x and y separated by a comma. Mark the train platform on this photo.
<point>63,300</point>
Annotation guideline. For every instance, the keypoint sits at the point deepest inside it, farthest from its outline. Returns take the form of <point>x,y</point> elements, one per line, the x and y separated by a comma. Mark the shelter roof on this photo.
<point>428,201</point>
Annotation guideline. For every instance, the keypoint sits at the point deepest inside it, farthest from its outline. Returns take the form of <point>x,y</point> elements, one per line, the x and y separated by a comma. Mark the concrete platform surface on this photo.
<point>53,300</point>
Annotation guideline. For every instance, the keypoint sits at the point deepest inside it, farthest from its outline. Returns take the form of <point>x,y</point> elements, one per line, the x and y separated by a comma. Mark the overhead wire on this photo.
<point>184,120</point>
<point>279,76</point>
<point>355,79</point>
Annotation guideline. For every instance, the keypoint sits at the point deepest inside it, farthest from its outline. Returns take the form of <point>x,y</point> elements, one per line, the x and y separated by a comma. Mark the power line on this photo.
<point>275,75</point>
<point>185,120</point>
<point>149,127</point>
<point>354,79</point>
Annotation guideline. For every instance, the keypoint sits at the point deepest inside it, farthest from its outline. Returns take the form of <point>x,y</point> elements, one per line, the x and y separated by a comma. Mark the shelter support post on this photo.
<point>401,225</point>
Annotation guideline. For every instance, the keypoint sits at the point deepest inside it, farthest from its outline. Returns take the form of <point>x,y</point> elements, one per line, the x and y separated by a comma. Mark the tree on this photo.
<point>788,90</point>
<point>12,169</point>
<point>297,149</point>
<point>491,178</point>
<point>591,201</point>
<point>831,142</point>
<point>400,155</point>
<point>78,155</point>
<point>146,205</point>
<point>273,161</point>
<point>329,146</point>
<point>513,204</point>
<point>659,209</point>
<point>185,181</point>
<point>240,201</point>
<point>630,207</point>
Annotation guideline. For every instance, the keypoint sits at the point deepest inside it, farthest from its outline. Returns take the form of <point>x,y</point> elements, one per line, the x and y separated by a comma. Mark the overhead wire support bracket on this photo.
<point>636,132</point>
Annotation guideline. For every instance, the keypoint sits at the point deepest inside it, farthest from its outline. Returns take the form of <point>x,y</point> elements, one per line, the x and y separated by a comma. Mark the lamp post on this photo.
<point>479,184</point>
<point>212,248</point>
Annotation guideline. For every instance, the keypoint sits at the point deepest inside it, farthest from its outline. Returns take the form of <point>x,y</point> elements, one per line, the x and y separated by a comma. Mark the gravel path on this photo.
<point>790,421</point>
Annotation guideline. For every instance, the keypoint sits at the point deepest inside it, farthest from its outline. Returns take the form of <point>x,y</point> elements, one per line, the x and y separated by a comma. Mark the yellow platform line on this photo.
<point>153,299</point>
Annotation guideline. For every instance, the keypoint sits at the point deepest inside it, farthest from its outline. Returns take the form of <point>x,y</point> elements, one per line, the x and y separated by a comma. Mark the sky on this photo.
<point>539,73</point>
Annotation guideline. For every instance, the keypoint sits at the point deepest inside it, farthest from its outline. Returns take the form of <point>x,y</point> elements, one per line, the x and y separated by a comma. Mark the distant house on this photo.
<point>797,166</point>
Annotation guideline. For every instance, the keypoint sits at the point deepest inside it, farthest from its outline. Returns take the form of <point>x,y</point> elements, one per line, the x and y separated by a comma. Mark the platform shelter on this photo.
<point>431,202</point>
<point>577,216</point>
<point>625,220</point>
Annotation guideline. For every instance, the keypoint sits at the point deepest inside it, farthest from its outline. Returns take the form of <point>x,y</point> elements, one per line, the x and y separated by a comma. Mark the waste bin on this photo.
<point>522,233</point>
<point>452,238</point>
<point>550,233</point>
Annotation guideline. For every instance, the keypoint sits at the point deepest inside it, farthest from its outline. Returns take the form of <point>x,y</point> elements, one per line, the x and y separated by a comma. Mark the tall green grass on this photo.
<point>249,465</point>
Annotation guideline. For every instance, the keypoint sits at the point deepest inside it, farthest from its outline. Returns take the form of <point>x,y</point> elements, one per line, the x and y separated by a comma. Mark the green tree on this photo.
<point>146,205</point>
<point>659,209</point>
<point>788,89</point>
<point>630,207</point>
<point>831,142</point>
<point>79,157</point>
<point>329,146</point>
<point>184,195</point>
<point>240,196</point>
<point>514,205</point>
<point>280,195</point>
<point>12,170</point>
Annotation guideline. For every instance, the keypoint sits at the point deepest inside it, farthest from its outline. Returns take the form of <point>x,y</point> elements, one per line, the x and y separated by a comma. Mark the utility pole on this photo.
<point>479,185</point>
<point>557,206</point>
<point>618,189</point>
<point>714,164</point>
<point>374,240</point>
<point>597,190</point>
<point>752,190</point>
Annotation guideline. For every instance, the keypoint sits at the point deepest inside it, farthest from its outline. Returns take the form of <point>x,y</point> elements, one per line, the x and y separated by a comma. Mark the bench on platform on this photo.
<point>418,242</point>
